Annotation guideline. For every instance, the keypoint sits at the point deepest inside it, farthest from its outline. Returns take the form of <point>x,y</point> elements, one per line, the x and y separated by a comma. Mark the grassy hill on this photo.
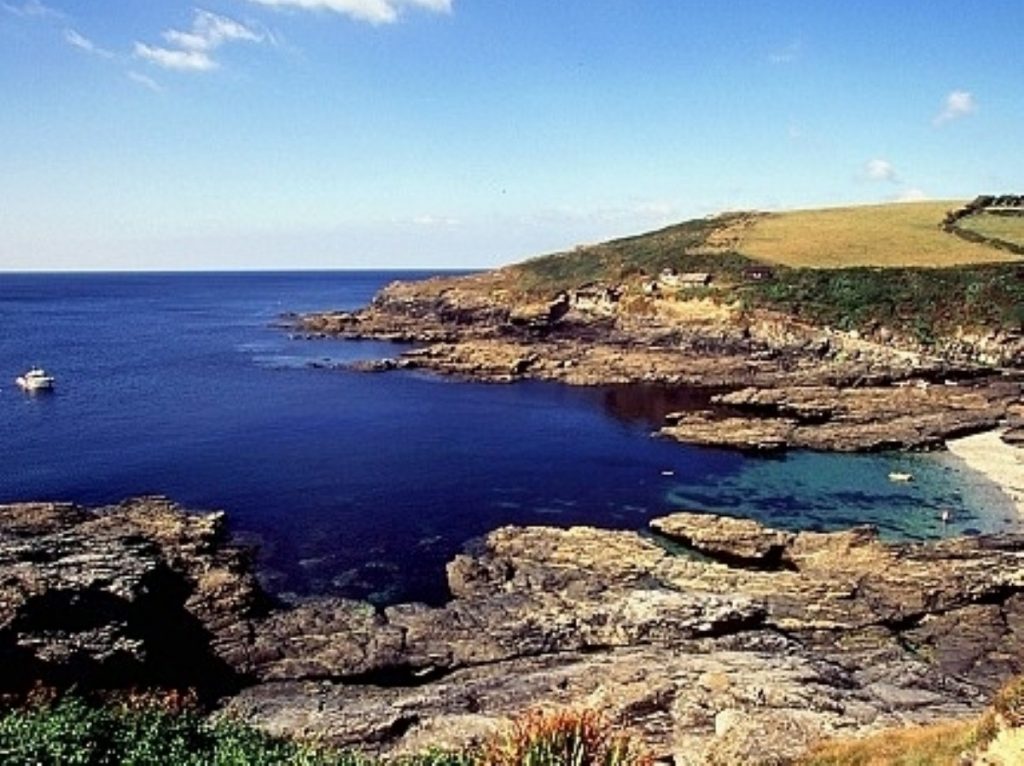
<point>852,268</point>
<point>894,235</point>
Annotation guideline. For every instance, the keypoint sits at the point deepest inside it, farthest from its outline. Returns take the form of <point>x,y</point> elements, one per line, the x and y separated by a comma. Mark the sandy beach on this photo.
<point>999,461</point>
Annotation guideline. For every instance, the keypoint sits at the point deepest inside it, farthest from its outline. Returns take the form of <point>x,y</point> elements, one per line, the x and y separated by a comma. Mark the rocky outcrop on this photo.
<point>794,384</point>
<point>139,593</point>
<point>699,639</point>
<point>798,633</point>
<point>845,419</point>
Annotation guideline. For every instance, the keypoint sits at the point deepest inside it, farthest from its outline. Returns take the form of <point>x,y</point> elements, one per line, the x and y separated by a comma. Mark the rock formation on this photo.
<point>700,637</point>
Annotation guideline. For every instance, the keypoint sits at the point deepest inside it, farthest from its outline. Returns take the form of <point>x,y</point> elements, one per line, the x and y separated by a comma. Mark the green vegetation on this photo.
<point>73,732</point>
<point>924,303</point>
<point>993,226</point>
<point>76,733</point>
<point>688,246</point>
<point>923,282</point>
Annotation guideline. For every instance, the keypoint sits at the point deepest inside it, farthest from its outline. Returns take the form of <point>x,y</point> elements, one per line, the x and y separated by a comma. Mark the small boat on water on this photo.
<point>899,476</point>
<point>36,379</point>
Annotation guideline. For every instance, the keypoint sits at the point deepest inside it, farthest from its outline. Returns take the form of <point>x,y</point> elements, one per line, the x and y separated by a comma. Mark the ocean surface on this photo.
<point>362,484</point>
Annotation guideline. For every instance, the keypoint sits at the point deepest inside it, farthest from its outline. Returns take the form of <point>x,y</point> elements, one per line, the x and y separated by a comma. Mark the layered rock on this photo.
<point>846,419</point>
<point>796,385</point>
<point>699,639</point>
<point>138,593</point>
<point>803,633</point>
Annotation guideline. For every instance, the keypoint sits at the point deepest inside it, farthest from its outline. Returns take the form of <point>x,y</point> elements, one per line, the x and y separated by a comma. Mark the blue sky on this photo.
<point>455,133</point>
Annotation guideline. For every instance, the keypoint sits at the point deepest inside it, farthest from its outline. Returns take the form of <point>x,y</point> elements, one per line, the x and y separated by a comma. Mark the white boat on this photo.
<point>898,476</point>
<point>35,379</point>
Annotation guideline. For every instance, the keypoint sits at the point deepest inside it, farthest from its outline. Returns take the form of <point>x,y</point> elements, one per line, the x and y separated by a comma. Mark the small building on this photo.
<point>595,298</point>
<point>672,278</point>
<point>758,274</point>
<point>694,279</point>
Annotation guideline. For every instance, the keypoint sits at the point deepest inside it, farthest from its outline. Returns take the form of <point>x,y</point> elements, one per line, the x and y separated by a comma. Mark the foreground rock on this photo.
<point>134,594</point>
<point>805,635</point>
<point>705,639</point>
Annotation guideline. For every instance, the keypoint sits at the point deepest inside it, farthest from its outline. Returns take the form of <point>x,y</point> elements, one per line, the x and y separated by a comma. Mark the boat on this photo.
<point>898,476</point>
<point>35,379</point>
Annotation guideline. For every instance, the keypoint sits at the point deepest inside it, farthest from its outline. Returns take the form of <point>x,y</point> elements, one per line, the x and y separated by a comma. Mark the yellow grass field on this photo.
<point>905,234</point>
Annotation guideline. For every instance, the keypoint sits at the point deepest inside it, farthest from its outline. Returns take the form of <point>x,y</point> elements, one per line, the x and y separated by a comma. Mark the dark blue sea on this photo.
<point>362,484</point>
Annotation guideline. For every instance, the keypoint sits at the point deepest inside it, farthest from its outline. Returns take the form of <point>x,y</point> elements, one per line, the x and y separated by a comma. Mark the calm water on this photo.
<point>361,484</point>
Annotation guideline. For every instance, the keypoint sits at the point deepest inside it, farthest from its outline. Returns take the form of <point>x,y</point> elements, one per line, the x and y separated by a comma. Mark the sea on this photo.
<point>363,484</point>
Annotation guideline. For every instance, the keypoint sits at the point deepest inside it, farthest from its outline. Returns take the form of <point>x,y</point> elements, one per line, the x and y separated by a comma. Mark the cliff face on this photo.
<point>702,655</point>
<point>796,384</point>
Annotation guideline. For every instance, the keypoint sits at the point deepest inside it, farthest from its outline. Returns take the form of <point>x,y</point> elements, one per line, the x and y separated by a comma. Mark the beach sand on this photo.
<point>1003,463</point>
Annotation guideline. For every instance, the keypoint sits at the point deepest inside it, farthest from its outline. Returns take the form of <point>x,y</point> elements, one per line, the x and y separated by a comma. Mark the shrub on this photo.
<point>566,738</point>
<point>73,732</point>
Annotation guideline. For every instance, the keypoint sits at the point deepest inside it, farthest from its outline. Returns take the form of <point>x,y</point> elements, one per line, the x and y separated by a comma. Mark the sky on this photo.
<point>279,134</point>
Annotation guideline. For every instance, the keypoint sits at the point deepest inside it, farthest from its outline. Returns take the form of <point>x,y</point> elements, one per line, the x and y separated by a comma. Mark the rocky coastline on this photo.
<point>787,384</point>
<point>716,640</point>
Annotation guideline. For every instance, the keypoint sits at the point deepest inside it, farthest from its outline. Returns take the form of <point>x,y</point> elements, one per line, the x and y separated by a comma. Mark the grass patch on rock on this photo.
<point>75,732</point>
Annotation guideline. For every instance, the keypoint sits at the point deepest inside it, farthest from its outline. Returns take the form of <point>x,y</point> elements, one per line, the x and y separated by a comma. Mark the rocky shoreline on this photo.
<point>711,638</point>
<point>788,384</point>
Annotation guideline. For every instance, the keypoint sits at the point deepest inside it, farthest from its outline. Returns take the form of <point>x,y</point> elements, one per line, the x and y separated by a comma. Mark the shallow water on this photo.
<point>365,484</point>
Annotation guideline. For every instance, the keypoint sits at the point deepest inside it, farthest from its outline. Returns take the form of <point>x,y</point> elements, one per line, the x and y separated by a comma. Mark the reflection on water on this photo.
<point>647,404</point>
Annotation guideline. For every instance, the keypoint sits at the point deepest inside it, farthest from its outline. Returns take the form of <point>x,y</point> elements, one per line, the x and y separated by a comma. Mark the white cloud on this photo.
<point>959,103</point>
<point>880,170</point>
<point>433,220</point>
<point>32,8</point>
<point>83,43</point>
<point>183,61</point>
<point>192,48</point>
<point>146,82</point>
<point>210,31</point>
<point>911,195</point>
<point>372,11</point>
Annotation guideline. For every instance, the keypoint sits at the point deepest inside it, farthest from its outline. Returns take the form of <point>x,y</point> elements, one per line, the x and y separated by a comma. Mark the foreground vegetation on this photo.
<point>999,733</point>
<point>74,732</point>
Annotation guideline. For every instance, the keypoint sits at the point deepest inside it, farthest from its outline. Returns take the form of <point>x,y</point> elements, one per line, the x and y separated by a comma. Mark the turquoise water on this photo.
<point>364,485</point>
<point>807,490</point>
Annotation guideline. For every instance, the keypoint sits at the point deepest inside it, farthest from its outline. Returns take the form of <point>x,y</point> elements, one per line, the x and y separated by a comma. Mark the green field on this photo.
<point>1005,228</point>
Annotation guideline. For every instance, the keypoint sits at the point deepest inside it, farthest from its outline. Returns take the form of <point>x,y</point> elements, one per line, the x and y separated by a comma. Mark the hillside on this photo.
<point>854,268</point>
<point>886,236</point>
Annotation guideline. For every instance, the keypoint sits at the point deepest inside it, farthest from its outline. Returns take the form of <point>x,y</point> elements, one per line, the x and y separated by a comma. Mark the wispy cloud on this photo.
<point>880,170</point>
<point>146,82</point>
<point>183,61</point>
<point>372,11</point>
<point>912,194</point>
<point>786,55</point>
<point>959,103</point>
<point>192,48</point>
<point>210,31</point>
<point>32,9</point>
<point>83,43</point>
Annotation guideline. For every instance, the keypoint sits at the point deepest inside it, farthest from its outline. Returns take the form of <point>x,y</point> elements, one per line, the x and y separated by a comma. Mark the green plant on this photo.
<point>72,731</point>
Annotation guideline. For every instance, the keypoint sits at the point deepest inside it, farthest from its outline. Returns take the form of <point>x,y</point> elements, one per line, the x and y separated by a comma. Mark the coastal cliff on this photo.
<point>711,638</point>
<point>848,359</point>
